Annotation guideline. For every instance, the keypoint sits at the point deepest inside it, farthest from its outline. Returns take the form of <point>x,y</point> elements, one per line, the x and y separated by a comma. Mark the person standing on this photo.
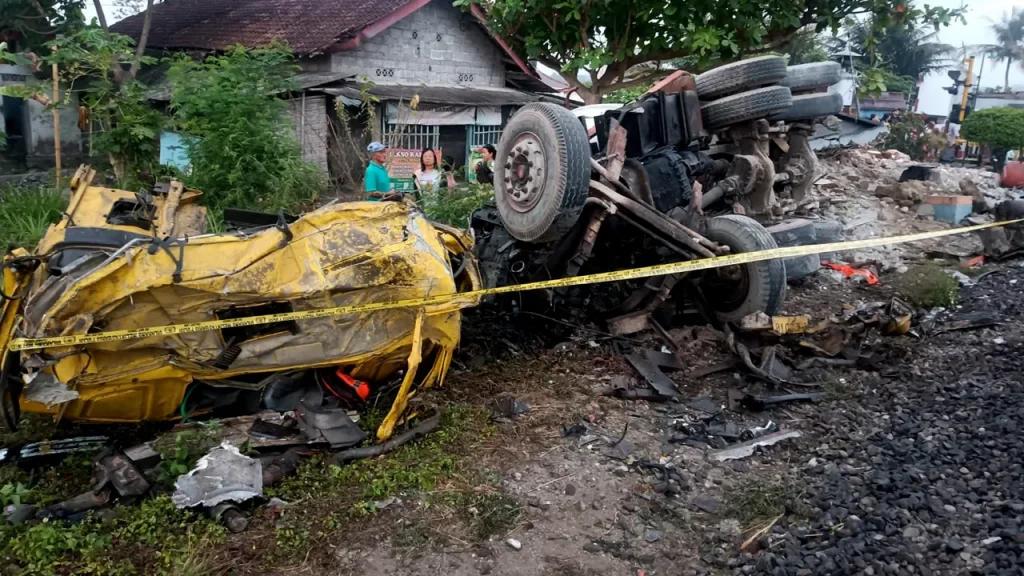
<point>484,168</point>
<point>429,177</point>
<point>376,181</point>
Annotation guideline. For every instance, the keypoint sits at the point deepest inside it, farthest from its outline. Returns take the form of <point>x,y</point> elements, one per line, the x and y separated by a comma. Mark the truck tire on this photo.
<point>811,76</point>
<point>542,171</point>
<point>810,106</point>
<point>737,291</point>
<point>796,232</point>
<point>741,76</point>
<point>760,103</point>
<point>828,232</point>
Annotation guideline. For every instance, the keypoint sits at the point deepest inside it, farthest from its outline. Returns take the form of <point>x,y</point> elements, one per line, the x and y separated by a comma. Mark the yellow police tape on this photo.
<point>19,344</point>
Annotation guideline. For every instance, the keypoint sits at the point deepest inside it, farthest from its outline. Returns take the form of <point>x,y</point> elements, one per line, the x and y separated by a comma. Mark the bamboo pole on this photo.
<point>56,121</point>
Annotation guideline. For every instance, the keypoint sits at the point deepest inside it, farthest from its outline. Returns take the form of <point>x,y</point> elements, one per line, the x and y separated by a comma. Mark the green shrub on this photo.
<point>244,153</point>
<point>909,134</point>
<point>454,207</point>
<point>996,127</point>
<point>25,214</point>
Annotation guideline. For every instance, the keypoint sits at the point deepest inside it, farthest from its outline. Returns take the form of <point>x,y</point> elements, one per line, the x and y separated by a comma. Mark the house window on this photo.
<point>412,136</point>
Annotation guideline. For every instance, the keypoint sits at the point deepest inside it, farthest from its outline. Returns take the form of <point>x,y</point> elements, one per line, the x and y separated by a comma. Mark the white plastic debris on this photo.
<point>514,544</point>
<point>223,475</point>
<point>744,449</point>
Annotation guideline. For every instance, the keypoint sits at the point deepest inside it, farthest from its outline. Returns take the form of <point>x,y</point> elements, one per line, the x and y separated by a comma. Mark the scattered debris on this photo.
<point>649,366</point>
<point>507,407</point>
<point>51,451</point>
<point>706,503</point>
<point>222,475</point>
<point>328,423</point>
<point>738,399</point>
<point>420,430</point>
<point>855,273</point>
<point>514,544</point>
<point>747,448</point>
<point>705,404</point>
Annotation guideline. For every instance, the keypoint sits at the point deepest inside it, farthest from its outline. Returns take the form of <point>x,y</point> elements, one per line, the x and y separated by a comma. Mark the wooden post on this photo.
<point>56,121</point>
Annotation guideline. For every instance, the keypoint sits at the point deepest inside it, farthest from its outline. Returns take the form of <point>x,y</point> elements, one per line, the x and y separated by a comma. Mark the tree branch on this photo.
<point>140,49</point>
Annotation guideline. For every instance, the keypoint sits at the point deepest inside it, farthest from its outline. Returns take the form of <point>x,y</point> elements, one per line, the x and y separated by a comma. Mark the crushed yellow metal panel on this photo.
<point>342,254</point>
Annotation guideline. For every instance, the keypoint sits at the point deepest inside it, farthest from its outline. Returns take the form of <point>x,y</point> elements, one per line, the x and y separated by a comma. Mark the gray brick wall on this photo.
<point>312,133</point>
<point>438,45</point>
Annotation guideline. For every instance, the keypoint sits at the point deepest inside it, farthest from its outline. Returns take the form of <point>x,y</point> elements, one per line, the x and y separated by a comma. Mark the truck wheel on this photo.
<point>741,76</point>
<point>760,103</point>
<point>828,232</point>
<point>796,232</point>
<point>811,76</point>
<point>736,291</point>
<point>810,106</point>
<point>542,171</point>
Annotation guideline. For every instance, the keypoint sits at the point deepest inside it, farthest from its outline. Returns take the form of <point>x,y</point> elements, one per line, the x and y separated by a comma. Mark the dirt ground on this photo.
<point>582,483</point>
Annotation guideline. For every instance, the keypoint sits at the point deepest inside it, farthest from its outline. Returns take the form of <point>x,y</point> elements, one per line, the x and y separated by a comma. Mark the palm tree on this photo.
<point>1009,36</point>
<point>904,50</point>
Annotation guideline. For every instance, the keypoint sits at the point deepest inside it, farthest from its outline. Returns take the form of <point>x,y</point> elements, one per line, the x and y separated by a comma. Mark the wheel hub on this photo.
<point>524,172</point>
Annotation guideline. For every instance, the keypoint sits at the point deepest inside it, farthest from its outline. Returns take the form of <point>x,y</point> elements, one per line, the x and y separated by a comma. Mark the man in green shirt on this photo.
<point>376,181</point>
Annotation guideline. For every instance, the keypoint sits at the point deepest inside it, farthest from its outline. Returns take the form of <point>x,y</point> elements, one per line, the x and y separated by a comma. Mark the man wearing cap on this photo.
<point>484,172</point>
<point>376,181</point>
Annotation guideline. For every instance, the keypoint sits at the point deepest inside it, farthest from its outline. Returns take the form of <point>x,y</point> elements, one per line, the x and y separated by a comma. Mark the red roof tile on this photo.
<point>308,26</point>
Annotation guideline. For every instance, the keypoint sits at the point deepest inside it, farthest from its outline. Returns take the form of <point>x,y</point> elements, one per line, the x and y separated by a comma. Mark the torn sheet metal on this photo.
<point>45,389</point>
<point>657,379</point>
<point>121,277</point>
<point>223,475</point>
<point>747,448</point>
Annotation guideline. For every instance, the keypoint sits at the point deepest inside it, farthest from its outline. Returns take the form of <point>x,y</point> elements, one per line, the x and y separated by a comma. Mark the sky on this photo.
<point>933,99</point>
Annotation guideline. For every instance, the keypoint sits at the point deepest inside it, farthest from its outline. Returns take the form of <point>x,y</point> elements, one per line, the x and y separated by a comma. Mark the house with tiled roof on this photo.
<point>467,80</point>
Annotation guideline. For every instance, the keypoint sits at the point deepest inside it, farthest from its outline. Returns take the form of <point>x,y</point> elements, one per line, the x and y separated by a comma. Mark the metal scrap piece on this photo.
<point>662,384</point>
<point>747,448</point>
<point>113,467</point>
<point>223,475</point>
<point>44,388</point>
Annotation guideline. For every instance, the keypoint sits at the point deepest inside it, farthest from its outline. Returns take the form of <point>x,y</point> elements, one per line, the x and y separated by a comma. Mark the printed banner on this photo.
<point>402,166</point>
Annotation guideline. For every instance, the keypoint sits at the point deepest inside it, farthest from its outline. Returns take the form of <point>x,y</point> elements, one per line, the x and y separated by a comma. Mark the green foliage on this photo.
<point>58,17</point>
<point>909,134</point>
<point>1008,34</point>
<point>805,47</point>
<point>189,445</point>
<point>25,214</point>
<point>574,35</point>
<point>995,127</point>
<point>625,95</point>
<point>455,206</point>
<point>903,47</point>
<point>243,154</point>
<point>150,537</point>
<point>755,503</point>
<point>929,286</point>
<point>14,493</point>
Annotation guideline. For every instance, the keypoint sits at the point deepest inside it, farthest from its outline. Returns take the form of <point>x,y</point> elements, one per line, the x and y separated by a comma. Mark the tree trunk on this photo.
<point>1006,79</point>
<point>140,50</point>
<point>100,14</point>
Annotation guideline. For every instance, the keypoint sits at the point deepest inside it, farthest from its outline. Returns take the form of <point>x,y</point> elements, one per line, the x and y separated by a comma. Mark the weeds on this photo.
<point>755,502</point>
<point>188,447</point>
<point>454,207</point>
<point>152,537</point>
<point>929,286</point>
<point>25,214</point>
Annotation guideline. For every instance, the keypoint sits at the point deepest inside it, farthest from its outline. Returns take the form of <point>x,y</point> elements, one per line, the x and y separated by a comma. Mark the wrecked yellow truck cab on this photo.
<point>119,260</point>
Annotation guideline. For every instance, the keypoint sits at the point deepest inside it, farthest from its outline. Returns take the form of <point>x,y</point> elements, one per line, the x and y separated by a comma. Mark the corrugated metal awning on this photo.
<point>461,95</point>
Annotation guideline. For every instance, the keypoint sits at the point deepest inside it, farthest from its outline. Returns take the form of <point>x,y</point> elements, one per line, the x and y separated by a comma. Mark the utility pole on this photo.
<point>967,88</point>
<point>56,120</point>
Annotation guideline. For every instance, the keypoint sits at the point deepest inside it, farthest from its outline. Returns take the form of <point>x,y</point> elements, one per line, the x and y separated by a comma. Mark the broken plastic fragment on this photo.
<point>223,475</point>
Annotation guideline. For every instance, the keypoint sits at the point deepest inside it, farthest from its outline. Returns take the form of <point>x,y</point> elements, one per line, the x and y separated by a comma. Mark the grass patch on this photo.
<point>755,503</point>
<point>833,388</point>
<point>25,213</point>
<point>438,468</point>
<point>151,537</point>
<point>930,286</point>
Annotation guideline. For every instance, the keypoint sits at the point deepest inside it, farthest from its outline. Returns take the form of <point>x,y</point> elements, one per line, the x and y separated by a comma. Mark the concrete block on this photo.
<point>950,209</point>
